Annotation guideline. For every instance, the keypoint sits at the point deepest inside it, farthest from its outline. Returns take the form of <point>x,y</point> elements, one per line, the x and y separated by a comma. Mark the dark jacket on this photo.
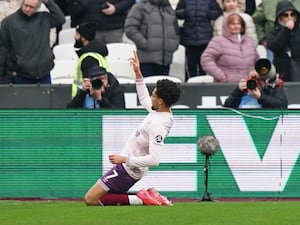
<point>113,98</point>
<point>78,10</point>
<point>93,46</point>
<point>27,40</point>
<point>271,98</point>
<point>284,43</point>
<point>6,66</point>
<point>108,22</point>
<point>197,15</point>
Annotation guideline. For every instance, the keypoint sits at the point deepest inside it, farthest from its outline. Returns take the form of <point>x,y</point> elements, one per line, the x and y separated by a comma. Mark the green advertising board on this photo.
<point>61,153</point>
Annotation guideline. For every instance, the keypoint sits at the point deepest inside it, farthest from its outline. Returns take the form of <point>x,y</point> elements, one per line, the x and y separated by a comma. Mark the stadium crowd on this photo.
<point>214,46</point>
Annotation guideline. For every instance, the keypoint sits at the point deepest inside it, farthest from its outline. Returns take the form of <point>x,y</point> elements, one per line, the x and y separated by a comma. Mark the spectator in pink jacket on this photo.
<point>228,57</point>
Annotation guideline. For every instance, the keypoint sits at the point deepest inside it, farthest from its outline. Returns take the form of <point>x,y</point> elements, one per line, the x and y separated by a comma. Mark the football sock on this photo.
<point>114,199</point>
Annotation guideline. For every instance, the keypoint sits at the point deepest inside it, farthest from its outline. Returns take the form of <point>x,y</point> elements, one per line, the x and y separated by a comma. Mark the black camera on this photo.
<point>96,84</point>
<point>252,83</point>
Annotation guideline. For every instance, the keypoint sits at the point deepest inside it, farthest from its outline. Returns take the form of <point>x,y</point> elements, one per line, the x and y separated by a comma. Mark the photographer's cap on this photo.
<point>96,71</point>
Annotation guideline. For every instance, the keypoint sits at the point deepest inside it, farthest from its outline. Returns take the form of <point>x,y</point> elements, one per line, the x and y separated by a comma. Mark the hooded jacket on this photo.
<point>226,55</point>
<point>250,32</point>
<point>284,43</point>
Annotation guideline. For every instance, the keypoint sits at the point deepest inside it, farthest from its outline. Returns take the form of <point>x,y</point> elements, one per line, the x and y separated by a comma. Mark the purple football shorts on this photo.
<point>117,180</point>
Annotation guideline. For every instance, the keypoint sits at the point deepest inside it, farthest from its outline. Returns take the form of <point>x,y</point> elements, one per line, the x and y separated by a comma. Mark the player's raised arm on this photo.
<point>135,63</point>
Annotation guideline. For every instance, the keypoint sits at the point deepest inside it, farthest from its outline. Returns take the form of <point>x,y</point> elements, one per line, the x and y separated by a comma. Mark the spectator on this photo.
<point>91,52</point>
<point>152,26</point>
<point>25,34</point>
<point>6,66</point>
<point>142,149</point>
<point>100,89</point>
<point>109,16</point>
<point>284,41</point>
<point>259,92</point>
<point>264,20</point>
<point>228,57</point>
<point>12,6</point>
<point>78,10</point>
<point>197,30</point>
<point>231,6</point>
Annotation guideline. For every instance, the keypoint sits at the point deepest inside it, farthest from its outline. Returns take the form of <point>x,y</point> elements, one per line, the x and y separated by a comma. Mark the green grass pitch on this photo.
<point>182,213</point>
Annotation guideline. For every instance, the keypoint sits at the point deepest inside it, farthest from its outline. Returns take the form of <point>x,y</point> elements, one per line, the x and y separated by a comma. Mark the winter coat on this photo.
<point>227,56</point>
<point>27,39</point>
<point>152,26</point>
<point>284,43</point>
<point>6,66</point>
<point>108,22</point>
<point>197,29</point>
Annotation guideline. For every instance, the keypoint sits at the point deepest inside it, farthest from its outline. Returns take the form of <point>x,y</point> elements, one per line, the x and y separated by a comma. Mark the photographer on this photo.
<point>262,89</point>
<point>100,89</point>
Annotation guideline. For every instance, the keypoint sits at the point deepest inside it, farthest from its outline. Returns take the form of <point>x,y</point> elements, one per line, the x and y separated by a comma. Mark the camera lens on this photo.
<point>97,84</point>
<point>251,84</point>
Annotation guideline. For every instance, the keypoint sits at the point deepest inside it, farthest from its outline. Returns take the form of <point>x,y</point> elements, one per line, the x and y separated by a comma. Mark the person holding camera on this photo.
<point>100,90</point>
<point>262,89</point>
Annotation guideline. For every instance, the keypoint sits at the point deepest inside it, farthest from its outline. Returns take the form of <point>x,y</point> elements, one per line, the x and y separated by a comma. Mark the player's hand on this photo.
<point>135,63</point>
<point>116,159</point>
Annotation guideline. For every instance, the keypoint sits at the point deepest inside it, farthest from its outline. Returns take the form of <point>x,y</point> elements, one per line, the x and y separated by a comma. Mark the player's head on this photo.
<point>167,91</point>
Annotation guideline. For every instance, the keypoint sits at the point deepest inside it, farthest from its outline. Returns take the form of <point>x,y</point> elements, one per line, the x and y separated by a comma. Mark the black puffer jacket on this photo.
<point>197,15</point>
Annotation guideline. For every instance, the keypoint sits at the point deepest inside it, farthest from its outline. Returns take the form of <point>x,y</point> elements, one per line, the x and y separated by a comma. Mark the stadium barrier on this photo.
<point>208,95</point>
<point>61,153</point>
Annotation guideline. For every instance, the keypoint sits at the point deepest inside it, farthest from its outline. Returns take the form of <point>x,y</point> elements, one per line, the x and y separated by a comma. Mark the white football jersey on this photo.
<point>144,146</point>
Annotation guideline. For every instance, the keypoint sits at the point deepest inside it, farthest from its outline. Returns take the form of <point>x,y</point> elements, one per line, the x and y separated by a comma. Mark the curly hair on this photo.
<point>168,91</point>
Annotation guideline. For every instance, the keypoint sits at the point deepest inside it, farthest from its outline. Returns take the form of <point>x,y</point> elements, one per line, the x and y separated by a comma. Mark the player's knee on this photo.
<point>88,200</point>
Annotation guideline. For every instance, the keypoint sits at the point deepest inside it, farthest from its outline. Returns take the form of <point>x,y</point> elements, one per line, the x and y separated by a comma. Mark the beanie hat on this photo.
<point>87,30</point>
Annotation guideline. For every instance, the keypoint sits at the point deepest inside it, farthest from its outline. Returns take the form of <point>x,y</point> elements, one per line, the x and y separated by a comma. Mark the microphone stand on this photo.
<point>206,196</point>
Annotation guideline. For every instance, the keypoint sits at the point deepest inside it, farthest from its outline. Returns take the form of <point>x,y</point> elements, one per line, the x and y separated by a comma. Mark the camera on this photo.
<point>252,83</point>
<point>96,84</point>
<point>267,73</point>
